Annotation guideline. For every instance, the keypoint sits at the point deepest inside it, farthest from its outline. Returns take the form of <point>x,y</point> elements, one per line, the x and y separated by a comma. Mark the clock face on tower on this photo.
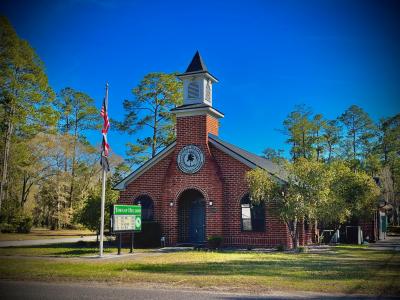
<point>190,159</point>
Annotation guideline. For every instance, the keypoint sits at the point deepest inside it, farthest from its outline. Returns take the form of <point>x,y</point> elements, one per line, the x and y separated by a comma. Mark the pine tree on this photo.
<point>360,134</point>
<point>77,114</point>
<point>299,129</point>
<point>25,97</point>
<point>331,137</point>
<point>156,94</point>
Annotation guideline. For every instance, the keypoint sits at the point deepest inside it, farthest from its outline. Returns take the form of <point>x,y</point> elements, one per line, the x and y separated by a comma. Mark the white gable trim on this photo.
<point>143,168</point>
<point>196,111</point>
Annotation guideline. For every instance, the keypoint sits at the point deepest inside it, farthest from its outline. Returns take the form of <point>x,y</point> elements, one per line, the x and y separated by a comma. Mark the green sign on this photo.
<point>127,210</point>
<point>127,218</point>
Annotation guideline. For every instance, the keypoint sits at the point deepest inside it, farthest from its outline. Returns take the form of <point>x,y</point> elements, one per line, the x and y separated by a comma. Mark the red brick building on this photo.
<point>195,187</point>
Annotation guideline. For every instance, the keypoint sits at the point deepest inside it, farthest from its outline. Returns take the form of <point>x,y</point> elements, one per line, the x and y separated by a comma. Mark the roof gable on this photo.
<point>144,167</point>
<point>249,159</point>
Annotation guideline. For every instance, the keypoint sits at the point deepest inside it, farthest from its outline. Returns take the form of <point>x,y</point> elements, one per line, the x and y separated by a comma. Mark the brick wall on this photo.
<point>234,188</point>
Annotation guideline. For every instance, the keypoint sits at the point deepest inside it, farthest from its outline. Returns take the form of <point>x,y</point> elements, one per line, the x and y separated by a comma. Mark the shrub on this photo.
<point>7,228</point>
<point>280,248</point>
<point>17,221</point>
<point>302,249</point>
<point>24,224</point>
<point>214,241</point>
<point>149,237</point>
<point>394,229</point>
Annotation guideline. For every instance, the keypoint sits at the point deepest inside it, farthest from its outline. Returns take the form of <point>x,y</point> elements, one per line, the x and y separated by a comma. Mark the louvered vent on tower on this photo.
<point>194,90</point>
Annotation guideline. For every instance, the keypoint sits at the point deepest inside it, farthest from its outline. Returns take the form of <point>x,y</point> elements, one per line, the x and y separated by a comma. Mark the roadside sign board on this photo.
<point>126,218</point>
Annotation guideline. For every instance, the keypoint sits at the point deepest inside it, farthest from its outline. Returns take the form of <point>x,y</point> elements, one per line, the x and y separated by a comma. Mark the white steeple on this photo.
<point>197,83</point>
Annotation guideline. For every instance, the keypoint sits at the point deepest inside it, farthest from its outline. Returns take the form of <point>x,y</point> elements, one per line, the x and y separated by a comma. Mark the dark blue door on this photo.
<point>197,221</point>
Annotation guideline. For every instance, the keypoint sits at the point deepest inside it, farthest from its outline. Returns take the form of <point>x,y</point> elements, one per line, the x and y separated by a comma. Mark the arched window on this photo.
<point>253,215</point>
<point>147,207</point>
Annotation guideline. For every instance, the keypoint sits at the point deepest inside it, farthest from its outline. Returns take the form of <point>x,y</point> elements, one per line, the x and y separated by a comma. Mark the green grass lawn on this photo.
<point>44,233</point>
<point>59,250</point>
<point>343,270</point>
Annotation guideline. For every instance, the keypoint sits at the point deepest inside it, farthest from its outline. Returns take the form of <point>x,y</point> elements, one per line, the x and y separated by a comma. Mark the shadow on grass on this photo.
<point>305,267</point>
<point>79,244</point>
<point>62,235</point>
<point>61,249</point>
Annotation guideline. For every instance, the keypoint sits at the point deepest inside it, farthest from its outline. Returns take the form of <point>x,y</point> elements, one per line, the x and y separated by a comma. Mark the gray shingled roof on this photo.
<point>197,66</point>
<point>259,161</point>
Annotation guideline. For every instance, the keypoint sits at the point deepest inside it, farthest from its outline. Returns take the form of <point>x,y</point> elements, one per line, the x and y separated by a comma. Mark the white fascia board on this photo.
<point>198,74</point>
<point>198,111</point>
<point>143,168</point>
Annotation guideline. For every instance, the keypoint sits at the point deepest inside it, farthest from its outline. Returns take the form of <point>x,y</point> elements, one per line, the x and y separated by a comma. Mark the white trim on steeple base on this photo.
<point>196,110</point>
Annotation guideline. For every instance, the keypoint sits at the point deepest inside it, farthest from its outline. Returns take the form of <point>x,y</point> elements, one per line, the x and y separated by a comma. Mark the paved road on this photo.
<point>39,290</point>
<point>46,241</point>
<point>390,243</point>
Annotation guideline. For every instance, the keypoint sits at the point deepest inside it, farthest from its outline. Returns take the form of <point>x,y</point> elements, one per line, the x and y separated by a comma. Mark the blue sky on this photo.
<point>268,55</point>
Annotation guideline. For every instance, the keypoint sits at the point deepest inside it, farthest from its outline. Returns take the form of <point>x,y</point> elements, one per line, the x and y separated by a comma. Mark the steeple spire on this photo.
<point>197,64</point>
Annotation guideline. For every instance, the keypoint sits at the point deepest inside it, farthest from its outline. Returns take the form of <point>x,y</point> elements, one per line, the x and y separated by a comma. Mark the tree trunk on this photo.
<point>25,180</point>
<point>304,146</point>
<point>6,155</point>
<point>58,213</point>
<point>330,153</point>
<point>295,234</point>
<point>155,125</point>
<point>354,140</point>
<point>314,229</point>
<point>26,194</point>
<point>294,153</point>
<point>385,153</point>
<point>71,190</point>
<point>396,216</point>
<point>318,147</point>
<point>154,143</point>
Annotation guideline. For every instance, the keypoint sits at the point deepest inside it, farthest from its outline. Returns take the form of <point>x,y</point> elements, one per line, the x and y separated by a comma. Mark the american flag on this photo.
<point>105,147</point>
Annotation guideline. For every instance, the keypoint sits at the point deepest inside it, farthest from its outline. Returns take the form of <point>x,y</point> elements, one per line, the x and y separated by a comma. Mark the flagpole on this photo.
<point>103,196</point>
<point>103,193</point>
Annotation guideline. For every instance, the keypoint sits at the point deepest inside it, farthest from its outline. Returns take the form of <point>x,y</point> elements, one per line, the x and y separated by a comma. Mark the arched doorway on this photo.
<point>192,217</point>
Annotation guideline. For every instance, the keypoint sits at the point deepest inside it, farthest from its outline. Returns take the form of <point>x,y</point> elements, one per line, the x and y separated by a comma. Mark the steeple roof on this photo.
<point>197,64</point>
